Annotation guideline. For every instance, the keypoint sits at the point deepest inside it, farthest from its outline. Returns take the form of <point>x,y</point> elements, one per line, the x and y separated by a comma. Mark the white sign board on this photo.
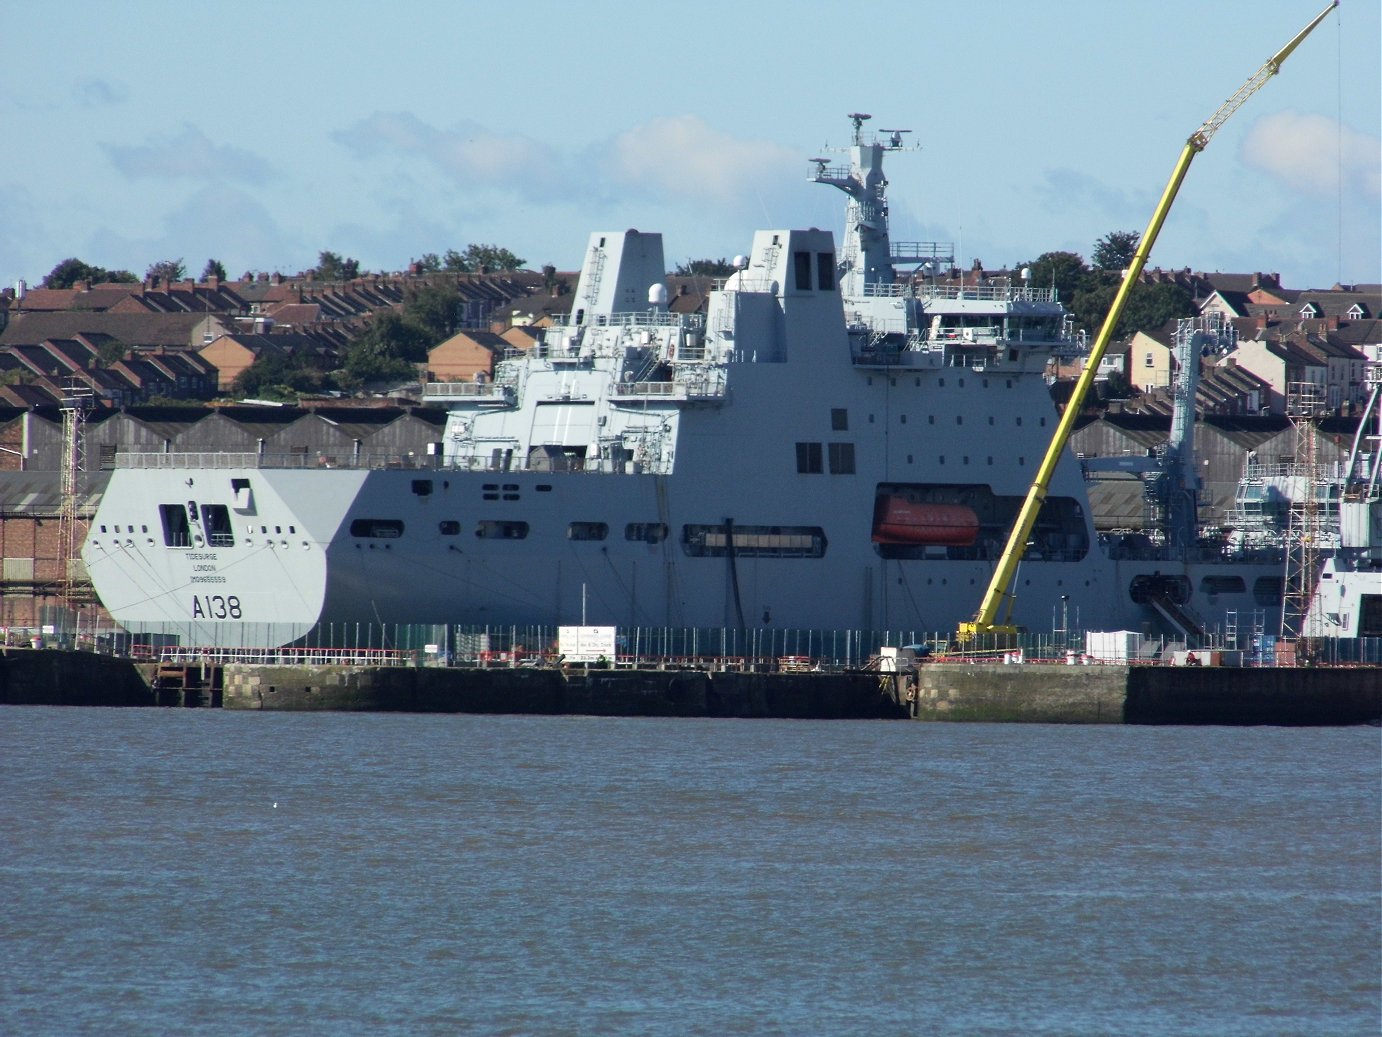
<point>586,644</point>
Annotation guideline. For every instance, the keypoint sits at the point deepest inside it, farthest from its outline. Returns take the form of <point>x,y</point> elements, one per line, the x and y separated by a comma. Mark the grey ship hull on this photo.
<point>736,461</point>
<point>828,447</point>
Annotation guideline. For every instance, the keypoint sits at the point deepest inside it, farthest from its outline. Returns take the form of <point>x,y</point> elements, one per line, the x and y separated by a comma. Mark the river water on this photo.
<point>210,872</point>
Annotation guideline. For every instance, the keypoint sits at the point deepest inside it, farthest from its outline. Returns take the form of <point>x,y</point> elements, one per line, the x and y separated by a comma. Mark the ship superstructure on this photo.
<point>828,446</point>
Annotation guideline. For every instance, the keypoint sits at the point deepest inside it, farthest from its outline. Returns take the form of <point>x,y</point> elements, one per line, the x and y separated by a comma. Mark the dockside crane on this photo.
<point>999,597</point>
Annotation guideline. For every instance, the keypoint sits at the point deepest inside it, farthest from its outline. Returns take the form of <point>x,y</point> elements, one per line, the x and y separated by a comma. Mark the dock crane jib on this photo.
<point>998,599</point>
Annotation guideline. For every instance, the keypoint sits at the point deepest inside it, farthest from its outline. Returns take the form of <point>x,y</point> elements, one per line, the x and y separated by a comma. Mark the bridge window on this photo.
<point>809,459</point>
<point>216,525</point>
<point>449,527</point>
<point>802,263</point>
<point>839,419</point>
<point>177,532</point>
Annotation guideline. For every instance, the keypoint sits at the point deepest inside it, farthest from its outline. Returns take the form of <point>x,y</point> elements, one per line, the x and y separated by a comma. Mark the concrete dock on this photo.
<point>948,692</point>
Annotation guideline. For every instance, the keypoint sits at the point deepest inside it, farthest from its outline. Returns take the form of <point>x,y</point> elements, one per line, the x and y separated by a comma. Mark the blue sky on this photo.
<point>261,133</point>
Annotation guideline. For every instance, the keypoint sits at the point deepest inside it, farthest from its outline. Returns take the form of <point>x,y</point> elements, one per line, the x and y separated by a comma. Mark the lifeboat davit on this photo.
<point>900,520</point>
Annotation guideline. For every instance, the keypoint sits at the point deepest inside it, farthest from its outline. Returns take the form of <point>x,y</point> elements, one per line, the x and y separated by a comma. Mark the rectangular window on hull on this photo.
<point>712,541</point>
<point>376,529</point>
<point>646,532</point>
<point>216,525</point>
<point>587,531</point>
<point>500,530</point>
<point>177,532</point>
<point>841,458</point>
<point>809,459</point>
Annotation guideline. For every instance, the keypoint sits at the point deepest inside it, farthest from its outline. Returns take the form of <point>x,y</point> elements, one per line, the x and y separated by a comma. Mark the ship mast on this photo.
<point>998,599</point>
<point>869,256</point>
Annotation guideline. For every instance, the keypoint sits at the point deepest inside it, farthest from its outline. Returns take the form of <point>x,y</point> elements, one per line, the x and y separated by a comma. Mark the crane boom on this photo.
<point>986,619</point>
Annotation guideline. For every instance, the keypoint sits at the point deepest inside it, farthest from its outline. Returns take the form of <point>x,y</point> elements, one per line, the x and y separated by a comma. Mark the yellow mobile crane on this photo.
<point>985,621</point>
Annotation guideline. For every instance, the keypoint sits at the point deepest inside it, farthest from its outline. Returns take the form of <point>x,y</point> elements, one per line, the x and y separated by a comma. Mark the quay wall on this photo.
<point>1101,694</point>
<point>683,693</point>
<point>1028,694</point>
<point>936,692</point>
<point>30,677</point>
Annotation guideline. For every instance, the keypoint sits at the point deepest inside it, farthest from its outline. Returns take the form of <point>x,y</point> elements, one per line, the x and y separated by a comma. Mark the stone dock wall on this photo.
<point>937,692</point>
<point>1288,696</point>
<point>51,678</point>
<point>653,693</point>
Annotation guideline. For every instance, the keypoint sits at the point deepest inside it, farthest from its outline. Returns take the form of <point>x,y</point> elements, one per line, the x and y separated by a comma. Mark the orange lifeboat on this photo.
<point>900,520</point>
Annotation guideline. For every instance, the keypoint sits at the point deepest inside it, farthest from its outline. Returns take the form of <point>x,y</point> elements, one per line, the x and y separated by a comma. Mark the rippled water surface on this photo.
<point>208,872</point>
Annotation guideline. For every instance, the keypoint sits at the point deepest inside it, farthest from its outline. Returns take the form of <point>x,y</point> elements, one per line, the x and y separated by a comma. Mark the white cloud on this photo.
<point>1308,153</point>
<point>468,154</point>
<point>188,155</point>
<point>684,157</point>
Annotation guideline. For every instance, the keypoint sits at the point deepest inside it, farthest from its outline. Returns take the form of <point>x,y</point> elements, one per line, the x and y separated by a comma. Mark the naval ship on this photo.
<point>828,446</point>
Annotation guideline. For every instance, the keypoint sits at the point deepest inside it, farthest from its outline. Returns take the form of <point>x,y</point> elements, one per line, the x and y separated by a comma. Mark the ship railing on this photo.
<point>922,252</point>
<point>752,285</point>
<point>886,291</point>
<point>984,292</point>
<point>1320,472</point>
<point>630,319</point>
<point>574,466</point>
<point>467,390</point>
<point>252,459</point>
<point>191,655</point>
<point>822,173</point>
<point>681,389</point>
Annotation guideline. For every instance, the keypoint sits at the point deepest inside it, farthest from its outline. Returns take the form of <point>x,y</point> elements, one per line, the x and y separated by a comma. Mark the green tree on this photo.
<point>492,257</point>
<point>1149,306</point>
<point>436,310</point>
<point>331,266</point>
<point>455,263</point>
<point>388,348</point>
<point>70,271</point>
<point>1065,270</point>
<point>168,270</point>
<point>279,376</point>
<point>430,263</point>
<point>704,268</point>
<point>214,268</point>
<point>1114,251</point>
